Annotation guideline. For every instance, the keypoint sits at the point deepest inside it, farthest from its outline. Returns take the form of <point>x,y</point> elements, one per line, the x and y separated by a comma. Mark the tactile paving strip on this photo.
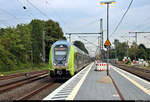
<point>64,90</point>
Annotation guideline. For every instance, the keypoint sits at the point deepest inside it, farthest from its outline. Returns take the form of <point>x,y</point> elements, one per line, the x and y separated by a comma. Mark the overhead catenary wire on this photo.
<point>143,25</point>
<point>37,8</point>
<point>89,23</point>
<point>97,47</point>
<point>8,13</point>
<point>126,39</point>
<point>25,8</point>
<point>89,42</point>
<point>122,18</point>
<point>147,22</point>
<point>58,16</point>
<point>30,14</point>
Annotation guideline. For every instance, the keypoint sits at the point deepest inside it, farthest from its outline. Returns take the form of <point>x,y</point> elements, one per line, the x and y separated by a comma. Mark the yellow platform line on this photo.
<point>134,82</point>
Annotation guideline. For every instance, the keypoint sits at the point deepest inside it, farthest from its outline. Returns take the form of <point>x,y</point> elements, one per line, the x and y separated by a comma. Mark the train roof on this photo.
<point>79,50</point>
<point>65,42</point>
<point>61,42</point>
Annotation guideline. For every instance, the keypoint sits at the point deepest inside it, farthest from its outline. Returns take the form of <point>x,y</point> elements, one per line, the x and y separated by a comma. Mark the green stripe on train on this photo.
<point>71,60</point>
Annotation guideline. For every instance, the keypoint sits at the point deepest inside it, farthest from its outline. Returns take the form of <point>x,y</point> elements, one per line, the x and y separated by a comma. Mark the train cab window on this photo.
<point>60,52</point>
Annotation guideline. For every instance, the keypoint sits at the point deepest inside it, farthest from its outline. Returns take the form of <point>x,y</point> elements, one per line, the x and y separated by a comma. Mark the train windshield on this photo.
<point>60,52</point>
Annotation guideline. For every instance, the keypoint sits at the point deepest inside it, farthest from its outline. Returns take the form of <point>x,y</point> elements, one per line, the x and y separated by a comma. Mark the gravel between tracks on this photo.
<point>19,74</point>
<point>45,92</point>
<point>2,82</point>
<point>18,92</point>
<point>11,80</point>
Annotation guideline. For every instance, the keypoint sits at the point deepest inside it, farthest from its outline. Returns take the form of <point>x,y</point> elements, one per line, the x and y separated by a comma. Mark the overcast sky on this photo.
<point>81,16</point>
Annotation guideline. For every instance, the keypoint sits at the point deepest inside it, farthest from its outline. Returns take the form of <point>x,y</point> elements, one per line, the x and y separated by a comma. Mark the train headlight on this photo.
<point>66,64</point>
<point>54,64</point>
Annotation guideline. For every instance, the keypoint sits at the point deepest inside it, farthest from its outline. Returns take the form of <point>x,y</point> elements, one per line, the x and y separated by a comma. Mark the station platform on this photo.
<point>89,84</point>
<point>97,86</point>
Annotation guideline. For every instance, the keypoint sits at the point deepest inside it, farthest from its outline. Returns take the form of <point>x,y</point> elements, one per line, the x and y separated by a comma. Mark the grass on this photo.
<point>26,68</point>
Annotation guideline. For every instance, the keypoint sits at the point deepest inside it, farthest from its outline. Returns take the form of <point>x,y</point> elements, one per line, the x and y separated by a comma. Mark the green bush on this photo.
<point>128,62</point>
<point>148,63</point>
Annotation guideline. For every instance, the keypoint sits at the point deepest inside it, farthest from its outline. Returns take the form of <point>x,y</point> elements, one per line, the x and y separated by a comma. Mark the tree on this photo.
<point>120,49</point>
<point>134,45</point>
<point>116,42</point>
<point>112,54</point>
<point>148,53</point>
<point>1,31</point>
<point>81,46</point>
<point>7,59</point>
<point>141,53</point>
<point>53,32</point>
<point>36,33</point>
<point>23,43</point>
<point>132,52</point>
<point>24,31</point>
<point>8,49</point>
<point>142,46</point>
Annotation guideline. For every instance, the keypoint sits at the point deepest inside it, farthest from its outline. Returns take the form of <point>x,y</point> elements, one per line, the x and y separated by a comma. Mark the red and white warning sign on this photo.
<point>101,66</point>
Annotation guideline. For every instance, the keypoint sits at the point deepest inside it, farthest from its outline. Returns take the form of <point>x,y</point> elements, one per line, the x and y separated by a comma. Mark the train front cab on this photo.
<point>65,70</point>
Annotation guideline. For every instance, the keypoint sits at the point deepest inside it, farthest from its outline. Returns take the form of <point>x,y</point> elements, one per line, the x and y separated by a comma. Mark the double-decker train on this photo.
<point>66,59</point>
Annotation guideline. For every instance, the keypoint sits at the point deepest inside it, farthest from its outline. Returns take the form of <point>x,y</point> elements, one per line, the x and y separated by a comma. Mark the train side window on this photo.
<point>75,57</point>
<point>78,57</point>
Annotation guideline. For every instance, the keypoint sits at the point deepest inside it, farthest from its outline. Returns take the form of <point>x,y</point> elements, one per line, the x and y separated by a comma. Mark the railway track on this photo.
<point>35,86</point>
<point>20,74</point>
<point>143,73</point>
<point>35,92</point>
<point>9,86</point>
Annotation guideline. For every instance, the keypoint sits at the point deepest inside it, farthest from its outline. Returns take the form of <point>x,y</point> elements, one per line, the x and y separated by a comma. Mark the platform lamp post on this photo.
<point>107,3</point>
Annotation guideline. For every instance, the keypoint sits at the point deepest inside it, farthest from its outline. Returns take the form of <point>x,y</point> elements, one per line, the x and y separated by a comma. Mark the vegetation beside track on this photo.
<point>133,51</point>
<point>29,67</point>
<point>21,47</point>
<point>23,44</point>
<point>138,66</point>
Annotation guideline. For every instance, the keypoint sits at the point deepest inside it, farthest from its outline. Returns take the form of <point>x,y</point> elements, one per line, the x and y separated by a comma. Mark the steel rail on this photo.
<point>19,75</point>
<point>7,87</point>
<point>32,93</point>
